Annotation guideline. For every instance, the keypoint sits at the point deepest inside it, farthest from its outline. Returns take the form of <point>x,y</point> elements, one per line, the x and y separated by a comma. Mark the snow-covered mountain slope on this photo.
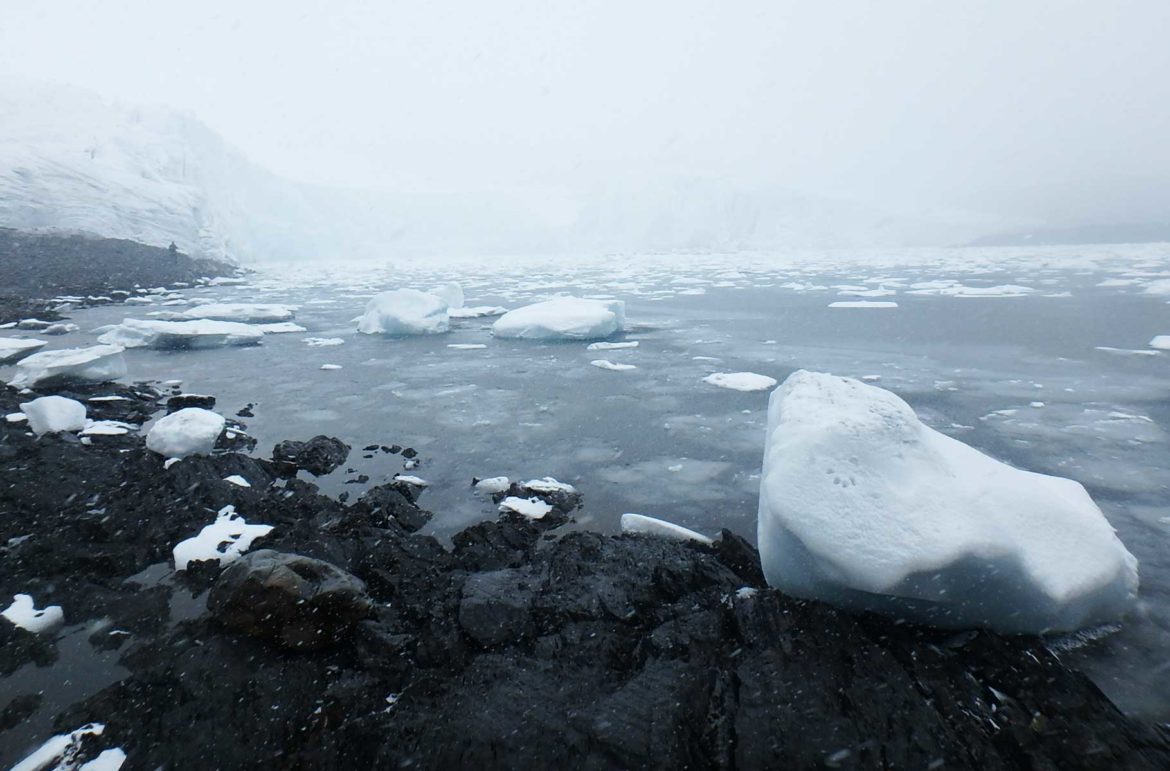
<point>71,161</point>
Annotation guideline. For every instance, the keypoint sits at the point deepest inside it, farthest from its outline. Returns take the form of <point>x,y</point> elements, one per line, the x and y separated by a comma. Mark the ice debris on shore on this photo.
<point>533,508</point>
<point>189,431</point>
<point>24,614</point>
<point>563,318</point>
<point>178,335</point>
<point>95,364</point>
<point>54,414</point>
<point>641,524</point>
<point>865,507</point>
<point>740,381</point>
<point>223,541</point>
<point>404,312</point>
<point>61,753</point>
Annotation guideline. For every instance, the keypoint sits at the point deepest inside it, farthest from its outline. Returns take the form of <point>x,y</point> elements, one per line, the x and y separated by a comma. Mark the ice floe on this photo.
<point>863,304</point>
<point>604,346</point>
<point>864,506</point>
<point>476,311</point>
<point>740,381</point>
<point>643,525</point>
<point>178,335</point>
<point>404,312</point>
<point>323,342</point>
<point>243,312</point>
<point>95,364</point>
<point>54,414</point>
<point>223,541</point>
<point>13,348</point>
<point>452,294</point>
<point>607,364</point>
<point>563,318</point>
<point>189,431</point>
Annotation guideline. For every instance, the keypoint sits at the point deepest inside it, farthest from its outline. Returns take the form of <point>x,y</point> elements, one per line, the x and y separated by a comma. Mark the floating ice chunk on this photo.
<point>13,348</point>
<point>61,329</point>
<point>53,414</point>
<point>226,281</point>
<point>189,431</point>
<point>181,335</point>
<point>1125,351</point>
<point>1161,342</point>
<point>563,318</point>
<point>740,381</point>
<point>466,346</point>
<point>223,541</point>
<point>1005,290</point>
<point>330,366</point>
<point>607,364</point>
<point>533,508</point>
<point>254,312</point>
<point>603,346</point>
<point>863,304</point>
<point>411,480</point>
<point>493,485</point>
<point>25,615</point>
<point>323,342</point>
<point>548,485</point>
<point>476,311</point>
<point>643,525</point>
<point>452,294</point>
<point>237,480</point>
<point>864,506</point>
<point>280,328</point>
<point>404,312</point>
<point>96,364</point>
<point>60,753</point>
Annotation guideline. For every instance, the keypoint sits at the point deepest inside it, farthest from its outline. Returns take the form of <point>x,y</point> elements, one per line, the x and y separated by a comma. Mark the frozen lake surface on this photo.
<point>1038,357</point>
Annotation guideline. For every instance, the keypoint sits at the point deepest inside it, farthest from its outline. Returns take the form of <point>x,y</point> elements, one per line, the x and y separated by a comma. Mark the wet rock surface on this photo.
<point>346,638</point>
<point>319,455</point>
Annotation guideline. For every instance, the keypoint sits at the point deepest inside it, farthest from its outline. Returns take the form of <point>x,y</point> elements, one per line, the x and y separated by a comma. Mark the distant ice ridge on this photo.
<point>563,318</point>
<point>865,507</point>
<point>405,312</point>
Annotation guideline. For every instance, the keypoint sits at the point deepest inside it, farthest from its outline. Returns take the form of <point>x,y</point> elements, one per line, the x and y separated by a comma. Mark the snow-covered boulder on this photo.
<point>177,335</point>
<point>95,364</point>
<point>14,348</point>
<point>189,431</point>
<point>404,312</point>
<point>452,294</point>
<point>563,318</point>
<point>52,414</point>
<point>242,312</point>
<point>865,507</point>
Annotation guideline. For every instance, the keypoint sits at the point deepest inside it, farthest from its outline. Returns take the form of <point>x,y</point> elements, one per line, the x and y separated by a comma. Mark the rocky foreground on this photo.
<point>344,638</point>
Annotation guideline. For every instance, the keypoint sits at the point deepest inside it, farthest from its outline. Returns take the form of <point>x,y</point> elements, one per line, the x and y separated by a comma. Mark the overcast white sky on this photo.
<point>1053,108</point>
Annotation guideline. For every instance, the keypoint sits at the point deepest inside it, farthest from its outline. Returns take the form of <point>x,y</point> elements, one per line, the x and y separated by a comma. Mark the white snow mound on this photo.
<point>23,612</point>
<point>404,312</point>
<point>53,414</point>
<point>865,507</point>
<point>189,431</point>
<point>96,364</point>
<point>180,335</point>
<point>563,318</point>
<point>223,541</point>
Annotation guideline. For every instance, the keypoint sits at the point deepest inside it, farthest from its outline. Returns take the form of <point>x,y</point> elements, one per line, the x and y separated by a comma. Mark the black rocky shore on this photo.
<point>37,267</point>
<point>347,639</point>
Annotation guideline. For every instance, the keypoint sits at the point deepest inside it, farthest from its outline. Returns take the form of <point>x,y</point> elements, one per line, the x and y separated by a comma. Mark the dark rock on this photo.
<point>496,606</point>
<point>563,501</point>
<point>409,452</point>
<point>295,601</point>
<point>320,455</point>
<point>397,500</point>
<point>370,448</point>
<point>183,401</point>
<point>246,412</point>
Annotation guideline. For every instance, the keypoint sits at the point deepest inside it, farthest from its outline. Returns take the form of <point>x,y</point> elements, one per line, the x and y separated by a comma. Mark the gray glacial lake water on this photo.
<point>1020,377</point>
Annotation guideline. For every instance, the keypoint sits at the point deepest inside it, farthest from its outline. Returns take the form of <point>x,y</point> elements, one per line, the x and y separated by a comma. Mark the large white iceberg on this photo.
<point>865,507</point>
<point>96,364</point>
<point>189,431</point>
<point>404,312</point>
<point>563,318</point>
<point>451,293</point>
<point>197,333</point>
<point>259,312</point>
<point>13,348</point>
<point>53,414</point>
